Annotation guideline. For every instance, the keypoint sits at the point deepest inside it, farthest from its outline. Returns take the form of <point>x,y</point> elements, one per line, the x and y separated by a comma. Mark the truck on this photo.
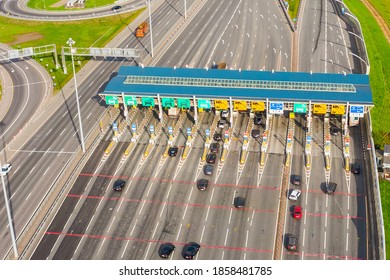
<point>222,65</point>
<point>142,30</point>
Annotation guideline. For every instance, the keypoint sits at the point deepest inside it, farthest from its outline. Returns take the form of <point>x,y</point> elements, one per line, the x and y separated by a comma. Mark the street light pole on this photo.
<point>11,227</point>
<point>70,42</point>
<point>151,32</point>
<point>185,9</point>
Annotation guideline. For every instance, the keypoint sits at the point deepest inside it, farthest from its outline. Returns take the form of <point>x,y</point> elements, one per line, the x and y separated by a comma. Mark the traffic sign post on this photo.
<point>300,108</point>
<point>112,100</point>
<point>133,128</point>
<point>130,100</point>
<point>207,132</point>
<point>115,126</point>
<point>276,107</point>
<point>147,101</point>
<point>188,131</point>
<point>227,134</point>
<point>170,130</point>
<point>151,129</point>
<point>204,104</point>
<point>356,111</point>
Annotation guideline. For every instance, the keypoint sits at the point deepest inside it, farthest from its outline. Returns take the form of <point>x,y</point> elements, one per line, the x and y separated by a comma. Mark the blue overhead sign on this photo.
<point>356,111</point>
<point>276,107</point>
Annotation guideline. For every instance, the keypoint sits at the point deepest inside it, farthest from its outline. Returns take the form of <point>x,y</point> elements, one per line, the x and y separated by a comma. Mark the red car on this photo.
<point>297,212</point>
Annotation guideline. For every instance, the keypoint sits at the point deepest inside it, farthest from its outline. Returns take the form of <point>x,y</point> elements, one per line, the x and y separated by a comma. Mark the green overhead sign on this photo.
<point>300,108</point>
<point>147,101</point>
<point>204,104</point>
<point>168,102</point>
<point>131,100</point>
<point>112,100</point>
<point>183,103</point>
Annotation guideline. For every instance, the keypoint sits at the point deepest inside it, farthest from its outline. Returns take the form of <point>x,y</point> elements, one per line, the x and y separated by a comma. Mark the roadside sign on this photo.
<point>188,131</point>
<point>133,127</point>
<point>257,106</point>
<point>356,111</point>
<point>207,132</point>
<point>130,100</point>
<point>183,103</point>
<point>276,107</point>
<point>245,135</point>
<point>226,133</point>
<point>319,109</point>
<point>221,104</point>
<point>115,126</point>
<point>112,100</point>
<point>151,129</point>
<point>308,139</point>
<point>168,102</point>
<point>338,109</point>
<point>170,130</point>
<point>147,101</point>
<point>239,105</point>
<point>300,108</point>
<point>204,104</point>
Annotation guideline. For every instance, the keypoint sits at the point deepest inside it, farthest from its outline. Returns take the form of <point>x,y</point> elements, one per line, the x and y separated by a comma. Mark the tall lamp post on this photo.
<point>70,43</point>
<point>151,32</point>
<point>11,227</point>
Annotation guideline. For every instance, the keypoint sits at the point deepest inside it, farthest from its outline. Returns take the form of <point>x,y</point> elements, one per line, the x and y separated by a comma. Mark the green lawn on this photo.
<point>385,194</point>
<point>293,6</point>
<point>46,4</point>
<point>379,53</point>
<point>87,33</point>
<point>383,7</point>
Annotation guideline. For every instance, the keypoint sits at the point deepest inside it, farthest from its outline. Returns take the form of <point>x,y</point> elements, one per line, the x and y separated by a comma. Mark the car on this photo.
<point>257,120</point>
<point>6,168</point>
<point>172,152</point>
<point>255,133</point>
<point>334,130</point>
<point>214,148</point>
<point>295,194</point>
<point>224,113</point>
<point>330,188</point>
<point>222,123</point>
<point>297,212</point>
<point>292,242</point>
<point>166,250</point>
<point>211,158</point>
<point>296,180</point>
<point>119,185</point>
<point>239,202</point>
<point>116,8</point>
<point>217,137</point>
<point>208,169</point>
<point>190,250</point>
<point>355,169</point>
<point>202,184</point>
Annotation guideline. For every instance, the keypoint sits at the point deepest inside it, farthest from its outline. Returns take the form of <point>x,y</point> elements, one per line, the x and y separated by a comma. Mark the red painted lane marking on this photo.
<point>181,204</point>
<point>157,241</point>
<point>175,181</point>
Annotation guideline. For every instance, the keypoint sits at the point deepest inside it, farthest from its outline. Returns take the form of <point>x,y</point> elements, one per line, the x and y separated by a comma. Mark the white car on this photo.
<point>6,168</point>
<point>295,194</point>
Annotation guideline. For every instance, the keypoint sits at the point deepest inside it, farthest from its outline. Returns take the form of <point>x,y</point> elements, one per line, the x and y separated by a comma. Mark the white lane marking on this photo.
<point>226,237</point>
<point>142,207</point>
<point>147,251</point>
<point>147,194</point>
<point>27,196</point>
<point>346,245</point>
<point>230,216</point>
<point>49,131</point>
<point>162,210</point>
<point>178,233</point>
<point>124,250</point>
<point>89,115</point>
<point>111,224</point>
<point>185,211</point>
<point>46,171</point>
<point>135,223</point>
<point>155,229</point>
<point>169,191</point>
<point>207,214</point>
<point>201,236</point>
<point>324,241</point>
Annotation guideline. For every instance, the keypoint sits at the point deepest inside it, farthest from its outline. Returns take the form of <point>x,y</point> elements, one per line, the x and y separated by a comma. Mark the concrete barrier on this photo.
<point>109,148</point>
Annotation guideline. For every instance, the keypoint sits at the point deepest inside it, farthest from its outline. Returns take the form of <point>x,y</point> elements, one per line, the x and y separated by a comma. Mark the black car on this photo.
<point>119,185</point>
<point>239,202</point>
<point>172,152</point>
<point>166,250</point>
<point>190,250</point>
<point>255,133</point>
<point>330,188</point>
<point>257,120</point>
<point>296,180</point>
<point>217,137</point>
<point>208,169</point>
<point>334,130</point>
<point>222,123</point>
<point>214,147</point>
<point>292,242</point>
<point>355,168</point>
<point>202,184</point>
<point>211,158</point>
<point>116,8</point>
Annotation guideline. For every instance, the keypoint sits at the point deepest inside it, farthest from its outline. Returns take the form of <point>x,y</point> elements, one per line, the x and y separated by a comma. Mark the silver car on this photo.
<point>295,194</point>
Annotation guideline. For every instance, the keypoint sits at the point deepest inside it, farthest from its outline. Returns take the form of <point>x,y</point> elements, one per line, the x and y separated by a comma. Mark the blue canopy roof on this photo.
<point>259,85</point>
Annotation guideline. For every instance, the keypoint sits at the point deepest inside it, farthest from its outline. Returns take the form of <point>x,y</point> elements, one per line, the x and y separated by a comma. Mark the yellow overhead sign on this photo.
<point>319,109</point>
<point>338,109</point>
<point>257,106</point>
<point>221,104</point>
<point>239,105</point>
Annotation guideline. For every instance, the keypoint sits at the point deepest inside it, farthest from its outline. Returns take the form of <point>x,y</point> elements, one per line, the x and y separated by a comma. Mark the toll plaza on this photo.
<point>347,96</point>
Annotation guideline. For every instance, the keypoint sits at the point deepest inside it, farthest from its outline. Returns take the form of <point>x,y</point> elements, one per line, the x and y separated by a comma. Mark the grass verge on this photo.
<point>48,4</point>
<point>379,54</point>
<point>383,8</point>
<point>86,33</point>
<point>293,6</point>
